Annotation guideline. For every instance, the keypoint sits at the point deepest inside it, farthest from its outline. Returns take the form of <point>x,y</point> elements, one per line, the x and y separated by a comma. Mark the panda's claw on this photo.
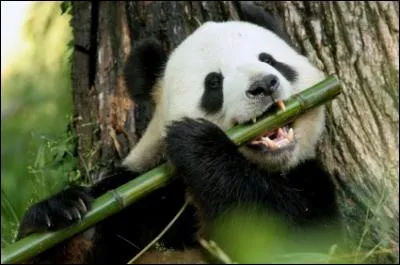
<point>56,212</point>
<point>77,214</point>
<point>48,222</point>
<point>82,206</point>
<point>67,215</point>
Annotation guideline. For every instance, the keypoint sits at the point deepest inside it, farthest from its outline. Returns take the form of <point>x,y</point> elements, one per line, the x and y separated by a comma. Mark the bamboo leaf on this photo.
<point>115,200</point>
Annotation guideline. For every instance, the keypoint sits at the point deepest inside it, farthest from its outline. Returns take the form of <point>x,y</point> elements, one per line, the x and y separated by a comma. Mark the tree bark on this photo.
<point>357,41</point>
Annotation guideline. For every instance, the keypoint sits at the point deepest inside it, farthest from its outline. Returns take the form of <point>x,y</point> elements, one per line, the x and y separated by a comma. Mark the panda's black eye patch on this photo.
<point>288,72</point>
<point>213,81</point>
<point>212,98</point>
<point>266,58</point>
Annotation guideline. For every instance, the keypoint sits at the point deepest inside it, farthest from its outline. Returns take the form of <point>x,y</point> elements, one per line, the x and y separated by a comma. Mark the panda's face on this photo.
<point>233,72</point>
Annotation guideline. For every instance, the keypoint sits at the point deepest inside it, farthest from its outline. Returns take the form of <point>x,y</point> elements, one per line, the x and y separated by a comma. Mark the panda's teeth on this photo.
<point>281,105</point>
<point>271,144</point>
<point>286,129</point>
<point>281,133</point>
<point>290,135</point>
<point>283,142</point>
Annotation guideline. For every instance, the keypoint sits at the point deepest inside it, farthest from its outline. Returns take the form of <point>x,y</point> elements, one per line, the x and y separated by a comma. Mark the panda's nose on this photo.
<point>264,87</point>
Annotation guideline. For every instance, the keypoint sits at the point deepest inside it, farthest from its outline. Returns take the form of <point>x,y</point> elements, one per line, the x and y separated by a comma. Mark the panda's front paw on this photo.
<point>58,211</point>
<point>195,139</point>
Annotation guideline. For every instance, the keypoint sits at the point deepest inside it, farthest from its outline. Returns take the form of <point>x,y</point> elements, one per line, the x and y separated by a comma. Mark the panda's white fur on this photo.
<point>231,48</point>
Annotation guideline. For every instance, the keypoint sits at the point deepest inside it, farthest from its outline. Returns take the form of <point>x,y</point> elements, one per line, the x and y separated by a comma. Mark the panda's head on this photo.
<point>231,73</point>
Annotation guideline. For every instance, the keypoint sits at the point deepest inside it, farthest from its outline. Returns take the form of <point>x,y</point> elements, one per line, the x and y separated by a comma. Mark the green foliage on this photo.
<point>37,149</point>
<point>66,7</point>
<point>249,237</point>
<point>371,230</point>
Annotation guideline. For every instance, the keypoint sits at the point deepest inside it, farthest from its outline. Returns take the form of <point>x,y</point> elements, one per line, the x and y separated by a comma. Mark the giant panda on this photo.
<point>223,74</point>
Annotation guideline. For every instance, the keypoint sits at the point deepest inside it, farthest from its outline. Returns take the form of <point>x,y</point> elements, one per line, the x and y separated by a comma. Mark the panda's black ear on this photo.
<point>252,13</point>
<point>142,68</point>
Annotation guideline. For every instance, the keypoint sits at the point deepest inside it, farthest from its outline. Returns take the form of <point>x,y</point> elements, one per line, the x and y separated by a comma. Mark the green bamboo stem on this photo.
<point>115,200</point>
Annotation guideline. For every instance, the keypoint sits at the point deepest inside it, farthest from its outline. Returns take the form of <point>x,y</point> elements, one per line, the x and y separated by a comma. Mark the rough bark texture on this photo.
<point>84,94</point>
<point>357,41</point>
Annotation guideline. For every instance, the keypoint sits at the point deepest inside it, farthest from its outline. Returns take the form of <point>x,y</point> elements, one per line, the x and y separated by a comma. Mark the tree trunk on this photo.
<point>357,41</point>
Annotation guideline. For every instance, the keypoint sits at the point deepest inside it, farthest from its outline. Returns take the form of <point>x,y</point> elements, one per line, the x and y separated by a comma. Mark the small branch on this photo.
<point>161,234</point>
<point>113,136</point>
<point>216,251</point>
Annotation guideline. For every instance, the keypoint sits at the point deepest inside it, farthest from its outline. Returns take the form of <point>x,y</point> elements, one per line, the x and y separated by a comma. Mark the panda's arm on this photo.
<point>216,173</point>
<point>70,205</point>
<point>219,177</point>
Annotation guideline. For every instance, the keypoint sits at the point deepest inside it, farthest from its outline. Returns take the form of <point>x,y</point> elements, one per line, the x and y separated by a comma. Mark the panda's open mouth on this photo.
<point>278,139</point>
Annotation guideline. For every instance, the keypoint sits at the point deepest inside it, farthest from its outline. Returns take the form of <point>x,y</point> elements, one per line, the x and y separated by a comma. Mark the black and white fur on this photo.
<point>218,77</point>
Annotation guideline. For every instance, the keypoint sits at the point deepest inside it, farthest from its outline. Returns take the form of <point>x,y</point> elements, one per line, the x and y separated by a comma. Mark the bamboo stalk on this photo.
<point>115,200</point>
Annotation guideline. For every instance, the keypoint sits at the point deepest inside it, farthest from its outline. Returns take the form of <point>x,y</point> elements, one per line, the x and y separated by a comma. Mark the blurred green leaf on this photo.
<point>66,7</point>
<point>253,236</point>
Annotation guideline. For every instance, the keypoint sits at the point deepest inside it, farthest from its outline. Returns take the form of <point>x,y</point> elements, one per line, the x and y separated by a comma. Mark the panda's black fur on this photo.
<point>207,164</point>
